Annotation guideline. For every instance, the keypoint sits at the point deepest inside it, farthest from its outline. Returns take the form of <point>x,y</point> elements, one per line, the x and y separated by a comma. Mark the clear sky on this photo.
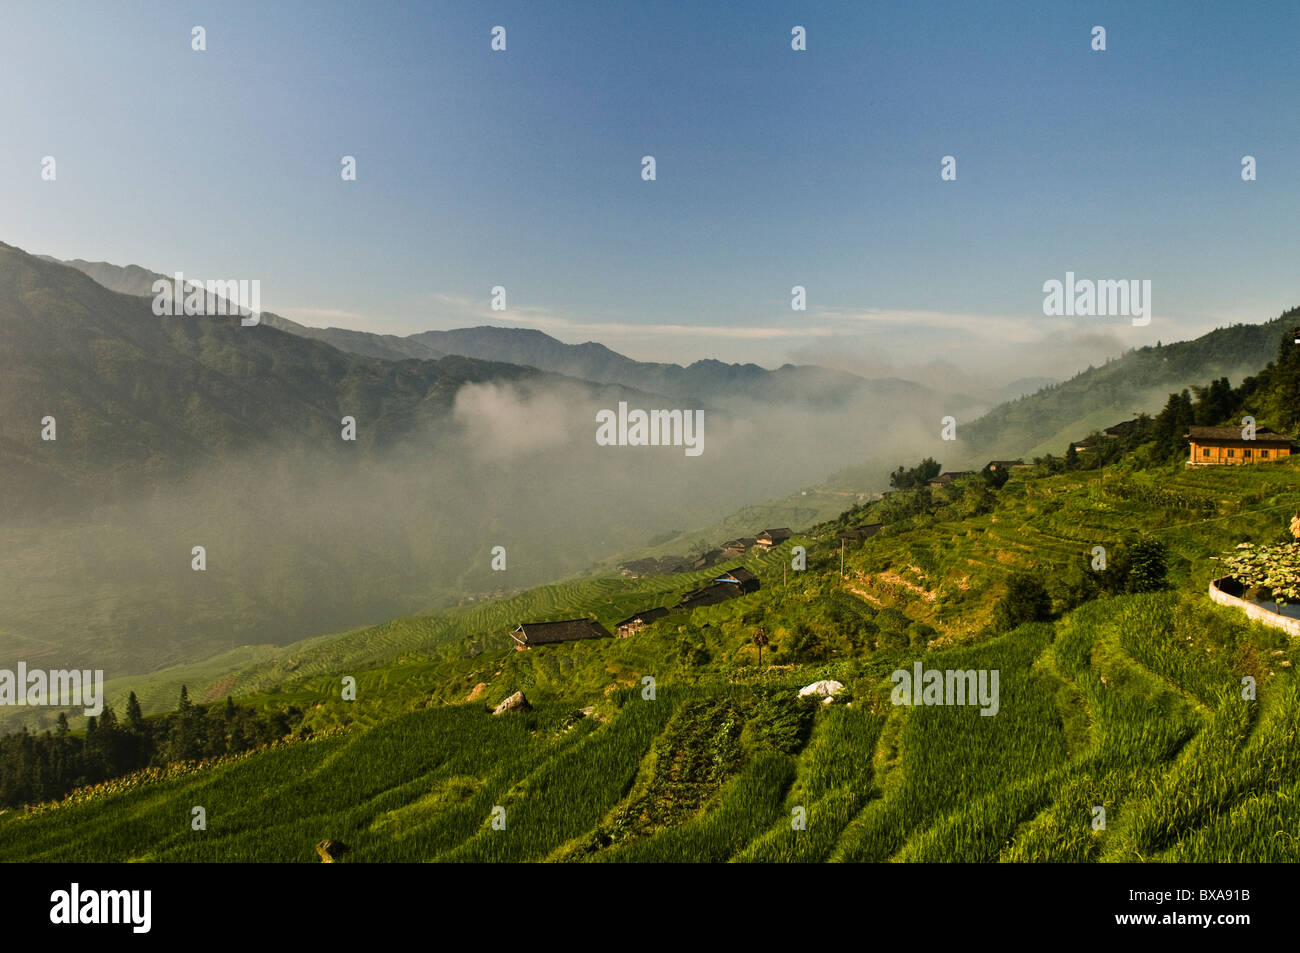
<point>775,167</point>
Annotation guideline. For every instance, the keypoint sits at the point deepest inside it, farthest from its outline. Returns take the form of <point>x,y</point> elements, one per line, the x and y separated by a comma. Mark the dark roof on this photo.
<point>710,557</point>
<point>648,616</point>
<point>1262,435</point>
<point>740,574</point>
<point>743,542</point>
<point>709,595</point>
<point>539,633</point>
<point>1122,428</point>
<point>950,477</point>
<point>1003,464</point>
<point>640,565</point>
<point>776,535</point>
<point>863,532</point>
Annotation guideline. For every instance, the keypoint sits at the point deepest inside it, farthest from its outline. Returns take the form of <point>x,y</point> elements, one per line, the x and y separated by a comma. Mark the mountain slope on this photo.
<point>1134,696</point>
<point>1140,381</point>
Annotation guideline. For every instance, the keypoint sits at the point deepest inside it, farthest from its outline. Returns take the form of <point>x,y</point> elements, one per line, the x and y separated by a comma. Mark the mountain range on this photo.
<point>174,432</point>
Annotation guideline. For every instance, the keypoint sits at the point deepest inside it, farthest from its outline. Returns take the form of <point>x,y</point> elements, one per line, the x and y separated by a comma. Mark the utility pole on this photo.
<point>841,558</point>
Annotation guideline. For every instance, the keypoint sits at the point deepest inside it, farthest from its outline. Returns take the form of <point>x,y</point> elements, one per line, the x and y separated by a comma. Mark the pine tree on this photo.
<point>1149,559</point>
<point>134,716</point>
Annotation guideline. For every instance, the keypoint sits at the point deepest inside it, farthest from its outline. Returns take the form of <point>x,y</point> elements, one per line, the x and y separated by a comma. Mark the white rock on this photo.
<point>516,702</point>
<point>824,689</point>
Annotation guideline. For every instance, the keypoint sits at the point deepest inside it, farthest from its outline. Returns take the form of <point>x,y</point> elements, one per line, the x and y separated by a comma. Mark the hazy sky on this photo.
<point>775,167</point>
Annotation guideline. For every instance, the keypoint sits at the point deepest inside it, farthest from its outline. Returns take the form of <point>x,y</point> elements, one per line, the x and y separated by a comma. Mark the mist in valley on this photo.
<point>305,542</point>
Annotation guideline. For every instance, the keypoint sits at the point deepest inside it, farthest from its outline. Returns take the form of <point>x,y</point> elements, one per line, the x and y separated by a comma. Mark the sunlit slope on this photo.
<point>1131,705</point>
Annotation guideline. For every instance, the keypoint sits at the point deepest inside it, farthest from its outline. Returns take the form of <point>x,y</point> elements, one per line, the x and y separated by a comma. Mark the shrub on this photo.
<point>1026,601</point>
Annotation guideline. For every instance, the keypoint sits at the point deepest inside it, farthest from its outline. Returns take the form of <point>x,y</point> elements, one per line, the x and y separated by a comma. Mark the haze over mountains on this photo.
<point>175,432</point>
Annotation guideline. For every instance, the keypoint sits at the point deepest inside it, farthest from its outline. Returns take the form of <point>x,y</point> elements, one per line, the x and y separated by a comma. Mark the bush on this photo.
<point>1026,601</point>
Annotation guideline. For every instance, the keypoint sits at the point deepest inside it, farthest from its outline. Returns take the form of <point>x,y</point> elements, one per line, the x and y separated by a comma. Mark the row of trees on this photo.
<point>47,765</point>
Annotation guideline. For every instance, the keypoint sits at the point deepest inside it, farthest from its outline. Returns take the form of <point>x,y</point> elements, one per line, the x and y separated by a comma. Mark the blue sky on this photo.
<point>775,168</point>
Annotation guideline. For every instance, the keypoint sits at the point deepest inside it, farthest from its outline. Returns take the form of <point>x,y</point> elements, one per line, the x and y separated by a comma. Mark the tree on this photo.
<point>1170,425</point>
<point>134,716</point>
<point>996,477</point>
<point>760,639</point>
<point>919,475</point>
<point>1026,600</point>
<point>1148,560</point>
<point>1215,403</point>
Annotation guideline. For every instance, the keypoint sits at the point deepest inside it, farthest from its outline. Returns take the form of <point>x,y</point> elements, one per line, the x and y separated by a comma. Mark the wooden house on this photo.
<point>1224,446</point>
<point>951,477</point>
<point>1125,427</point>
<point>708,559</point>
<point>740,577</point>
<point>728,585</point>
<point>636,623</point>
<point>774,537</point>
<point>735,547</point>
<point>639,567</point>
<point>528,634</point>
<point>861,532</point>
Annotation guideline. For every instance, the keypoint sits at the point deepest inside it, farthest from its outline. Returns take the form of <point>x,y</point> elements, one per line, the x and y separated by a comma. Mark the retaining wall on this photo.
<point>1256,612</point>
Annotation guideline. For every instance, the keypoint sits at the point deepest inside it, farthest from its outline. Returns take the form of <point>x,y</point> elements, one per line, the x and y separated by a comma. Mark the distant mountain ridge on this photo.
<point>704,381</point>
<point>135,392</point>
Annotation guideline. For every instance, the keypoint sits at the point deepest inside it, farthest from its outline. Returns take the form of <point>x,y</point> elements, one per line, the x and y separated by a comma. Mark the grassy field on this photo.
<point>1130,705</point>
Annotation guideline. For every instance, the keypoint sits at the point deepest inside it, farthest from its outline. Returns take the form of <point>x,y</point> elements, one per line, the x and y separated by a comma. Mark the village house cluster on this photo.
<point>731,584</point>
<point>663,565</point>
<point>1208,446</point>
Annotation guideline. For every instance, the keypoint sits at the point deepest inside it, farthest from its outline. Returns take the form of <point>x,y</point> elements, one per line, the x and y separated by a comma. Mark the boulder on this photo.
<point>516,702</point>
<point>824,689</point>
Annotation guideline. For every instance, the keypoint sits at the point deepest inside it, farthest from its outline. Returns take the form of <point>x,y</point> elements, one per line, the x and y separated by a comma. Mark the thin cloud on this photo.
<point>310,315</point>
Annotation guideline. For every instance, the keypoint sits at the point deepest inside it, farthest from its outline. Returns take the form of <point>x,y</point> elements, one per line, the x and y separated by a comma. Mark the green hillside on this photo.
<point>1129,702</point>
<point>1137,382</point>
<point>176,432</point>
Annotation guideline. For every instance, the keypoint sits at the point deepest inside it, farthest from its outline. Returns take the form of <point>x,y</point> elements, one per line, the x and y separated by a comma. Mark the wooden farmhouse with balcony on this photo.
<point>770,538</point>
<point>1225,446</point>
